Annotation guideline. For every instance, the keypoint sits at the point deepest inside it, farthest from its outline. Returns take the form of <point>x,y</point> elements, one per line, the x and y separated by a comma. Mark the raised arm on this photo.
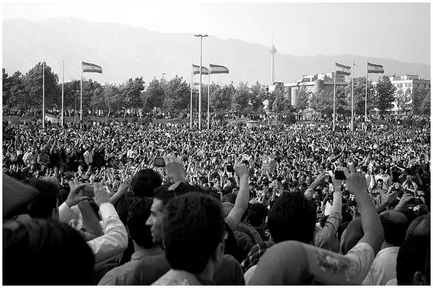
<point>241,203</point>
<point>373,230</point>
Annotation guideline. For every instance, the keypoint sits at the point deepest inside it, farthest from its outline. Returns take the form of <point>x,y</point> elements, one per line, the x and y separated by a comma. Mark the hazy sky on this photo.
<point>399,31</point>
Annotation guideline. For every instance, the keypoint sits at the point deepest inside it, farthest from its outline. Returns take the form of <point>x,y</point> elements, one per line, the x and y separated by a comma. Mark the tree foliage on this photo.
<point>403,99</point>
<point>385,95</point>
<point>302,98</point>
<point>421,102</point>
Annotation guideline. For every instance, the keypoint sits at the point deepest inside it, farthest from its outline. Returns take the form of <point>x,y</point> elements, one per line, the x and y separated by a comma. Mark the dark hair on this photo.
<point>231,198</point>
<point>145,182</point>
<point>44,252</point>
<point>46,201</point>
<point>419,226</point>
<point>169,191</point>
<point>257,214</point>
<point>413,256</point>
<point>139,212</point>
<point>193,228</point>
<point>292,217</point>
<point>231,245</point>
<point>394,226</point>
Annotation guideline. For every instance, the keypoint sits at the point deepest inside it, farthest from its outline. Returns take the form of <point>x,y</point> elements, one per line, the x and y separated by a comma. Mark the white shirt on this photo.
<point>115,239</point>
<point>383,268</point>
<point>249,274</point>
<point>88,157</point>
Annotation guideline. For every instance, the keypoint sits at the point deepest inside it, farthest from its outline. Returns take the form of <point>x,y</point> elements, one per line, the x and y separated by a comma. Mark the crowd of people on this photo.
<point>135,204</point>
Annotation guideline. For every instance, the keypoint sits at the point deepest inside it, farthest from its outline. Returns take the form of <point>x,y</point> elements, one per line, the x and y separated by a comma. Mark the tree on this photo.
<point>113,98</point>
<point>421,101</point>
<point>33,85</point>
<point>258,95</point>
<point>19,97</point>
<point>323,102</point>
<point>177,95</point>
<point>221,99</point>
<point>402,100</point>
<point>359,96</point>
<point>131,93</point>
<point>302,98</point>
<point>241,99</point>
<point>72,95</point>
<point>385,95</point>
<point>153,96</point>
<point>6,88</point>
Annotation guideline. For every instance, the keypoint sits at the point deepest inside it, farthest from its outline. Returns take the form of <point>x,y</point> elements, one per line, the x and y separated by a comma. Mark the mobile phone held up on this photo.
<point>159,162</point>
<point>339,175</point>
<point>230,169</point>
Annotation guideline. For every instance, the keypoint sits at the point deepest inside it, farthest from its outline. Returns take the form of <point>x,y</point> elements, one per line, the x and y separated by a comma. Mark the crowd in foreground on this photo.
<point>91,205</point>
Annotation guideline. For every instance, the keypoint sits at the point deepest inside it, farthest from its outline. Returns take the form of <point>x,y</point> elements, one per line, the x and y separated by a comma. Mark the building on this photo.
<point>406,84</point>
<point>313,84</point>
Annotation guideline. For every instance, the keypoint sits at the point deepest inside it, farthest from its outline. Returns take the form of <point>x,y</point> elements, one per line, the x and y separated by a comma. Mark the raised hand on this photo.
<point>241,170</point>
<point>101,195</point>
<point>174,169</point>
<point>356,183</point>
<point>76,194</point>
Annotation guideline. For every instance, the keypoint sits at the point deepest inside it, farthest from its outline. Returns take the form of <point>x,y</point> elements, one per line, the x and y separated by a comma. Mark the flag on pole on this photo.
<point>196,70</point>
<point>89,67</point>
<point>374,68</point>
<point>342,69</point>
<point>218,69</point>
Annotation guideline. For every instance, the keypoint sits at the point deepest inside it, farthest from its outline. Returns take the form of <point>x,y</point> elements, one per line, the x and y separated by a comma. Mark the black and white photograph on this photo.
<point>216,143</point>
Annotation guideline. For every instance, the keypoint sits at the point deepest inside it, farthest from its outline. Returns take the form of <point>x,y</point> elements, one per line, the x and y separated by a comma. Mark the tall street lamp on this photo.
<point>199,91</point>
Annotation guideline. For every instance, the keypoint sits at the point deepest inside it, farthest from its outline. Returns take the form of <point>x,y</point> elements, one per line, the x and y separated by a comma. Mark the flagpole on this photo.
<point>335,76</point>
<point>208,99</point>
<point>192,83</point>
<point>63,93</point>
<point>81,99</point>
<point>43,94</point>
<point>199,92</point>
<point>366,84</point>
<point>353,78</point>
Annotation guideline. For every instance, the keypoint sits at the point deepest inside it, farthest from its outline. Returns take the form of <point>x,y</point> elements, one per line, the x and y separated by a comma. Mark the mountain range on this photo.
<point>127,52</point>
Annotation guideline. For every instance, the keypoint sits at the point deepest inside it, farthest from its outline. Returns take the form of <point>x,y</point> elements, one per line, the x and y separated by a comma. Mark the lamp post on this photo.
<point>199,91</point>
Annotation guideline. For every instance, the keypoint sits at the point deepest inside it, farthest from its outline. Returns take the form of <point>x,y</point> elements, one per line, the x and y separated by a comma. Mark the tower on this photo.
<point>273,50</point>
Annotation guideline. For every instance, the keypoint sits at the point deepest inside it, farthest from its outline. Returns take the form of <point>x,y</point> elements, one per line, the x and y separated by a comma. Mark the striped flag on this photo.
<point>89,67</point>
<point>342,69</point>
<point>374,68</point>
<point>196,70</point>
<point>218,69</point>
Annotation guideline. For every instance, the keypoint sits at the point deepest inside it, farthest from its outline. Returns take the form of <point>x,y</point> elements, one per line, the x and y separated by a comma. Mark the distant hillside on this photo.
<point>126,52</point>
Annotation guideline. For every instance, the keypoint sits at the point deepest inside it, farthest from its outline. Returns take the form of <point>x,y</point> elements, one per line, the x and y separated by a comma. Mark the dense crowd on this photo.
<point>229,206</point>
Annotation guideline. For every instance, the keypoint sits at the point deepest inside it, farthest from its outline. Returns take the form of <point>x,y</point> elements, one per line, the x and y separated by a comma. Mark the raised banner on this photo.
<point>196,70</point>
<point>218,69</point>
<point>342,69</point>
<point>374,68</point>
<point>89,67</point>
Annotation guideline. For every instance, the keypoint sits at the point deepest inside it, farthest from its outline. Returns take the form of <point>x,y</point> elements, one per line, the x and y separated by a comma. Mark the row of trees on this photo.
<point>24,91</point>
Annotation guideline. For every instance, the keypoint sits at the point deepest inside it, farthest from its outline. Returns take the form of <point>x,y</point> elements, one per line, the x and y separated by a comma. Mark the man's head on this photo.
<point>419,227</point>
<point>292,217</point>
<point>380,183</point>
<point>138,213</point>
<point>394,226</point>
<point>193,232</point>
<point>413,261</point>
<point>162,195</point>
<point>45,252</point>
<point>145,182</point>
<point>46,204</point>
